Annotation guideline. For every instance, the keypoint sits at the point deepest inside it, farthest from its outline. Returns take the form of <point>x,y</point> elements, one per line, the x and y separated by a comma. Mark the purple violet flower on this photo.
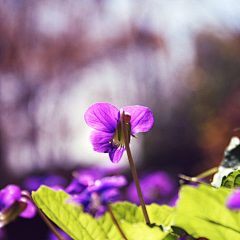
<point>156,188</point>
<point>174,200</point>
<point>95,197</point>
<point>107,136</point>
<point>54,181</point>
<point>83,178</point>
<point>13,204</point>
<point>233,201</point>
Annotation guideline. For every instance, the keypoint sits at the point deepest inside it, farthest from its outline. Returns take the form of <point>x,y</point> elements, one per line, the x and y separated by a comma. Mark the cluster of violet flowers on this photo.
<point>92,187</point>
<point>113,130</point>
<point>95,188</point>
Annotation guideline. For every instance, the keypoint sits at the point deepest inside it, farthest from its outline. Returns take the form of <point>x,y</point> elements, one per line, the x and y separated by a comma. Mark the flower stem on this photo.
<point>200,176</point>
<point>207,173</point>
<point>115,221</point>
<point>132,166</point>
<point>190,179</point>
<point>42,215</point>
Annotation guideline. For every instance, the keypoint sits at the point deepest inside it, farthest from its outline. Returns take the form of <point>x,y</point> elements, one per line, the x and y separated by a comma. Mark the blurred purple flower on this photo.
<point>54,181</point>
<point>95,197</point>
<point>83,178</point>
<point>233,201</point>
<point>107,136</point>
<point>156,188</point>
<point>13,204</point>
<point>173,201</point>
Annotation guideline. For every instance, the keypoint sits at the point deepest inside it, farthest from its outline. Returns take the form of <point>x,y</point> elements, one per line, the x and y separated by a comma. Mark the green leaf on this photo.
<point>69,217</point>
<point>132,220</point>
<point>82,226</point>
<point>232,180</point>
<point>202,213</point>
<point>162,215</point>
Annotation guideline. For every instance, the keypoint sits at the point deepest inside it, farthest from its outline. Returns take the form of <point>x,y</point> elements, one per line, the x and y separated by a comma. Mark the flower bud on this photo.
<point>9,214</point>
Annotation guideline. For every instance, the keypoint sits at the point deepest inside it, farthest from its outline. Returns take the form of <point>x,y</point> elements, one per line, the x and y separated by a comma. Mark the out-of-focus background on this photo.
<point>179,58</point>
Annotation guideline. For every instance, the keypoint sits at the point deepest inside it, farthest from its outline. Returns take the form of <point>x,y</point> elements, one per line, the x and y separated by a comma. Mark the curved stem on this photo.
<point>207,173</point>
<point>115,221</point>
<point>190,179</point>
<point>200,176</point>
<point>42,215</point>
<point>132,166</point>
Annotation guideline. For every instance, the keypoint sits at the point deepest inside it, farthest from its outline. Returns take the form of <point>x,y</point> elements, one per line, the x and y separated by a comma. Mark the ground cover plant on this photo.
<point>98,204</point>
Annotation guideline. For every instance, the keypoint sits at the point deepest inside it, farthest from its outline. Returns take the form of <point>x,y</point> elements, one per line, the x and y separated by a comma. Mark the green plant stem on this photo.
<point>42,215</point>
<point>207,173</point>
<point>132,166</point>
<point>190,179</point>
<point>115,222</point>
<point>200,176</point>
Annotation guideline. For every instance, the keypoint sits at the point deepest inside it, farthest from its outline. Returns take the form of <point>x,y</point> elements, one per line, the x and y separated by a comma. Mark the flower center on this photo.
<point>95,202</point>
<point>154,193</point>
<point>117,139</point>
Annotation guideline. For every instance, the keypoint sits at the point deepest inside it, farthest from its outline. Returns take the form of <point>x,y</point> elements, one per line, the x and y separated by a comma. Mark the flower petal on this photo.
<point>83,198</point>
<point>87,176</point>
<point>9,195</point>
<point>101,210</point>
<point>74,187</point>
<point>108,182</point>
<point>32,183</point>
<point>30,211</point>
<point>102,117</point>
<point>156,187</point>
<point>114,181</point>
<point>141,118</point>
<point>116,154</point>
<point>233,201</point>
<point>110,195</point>
<point>100,141</point>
